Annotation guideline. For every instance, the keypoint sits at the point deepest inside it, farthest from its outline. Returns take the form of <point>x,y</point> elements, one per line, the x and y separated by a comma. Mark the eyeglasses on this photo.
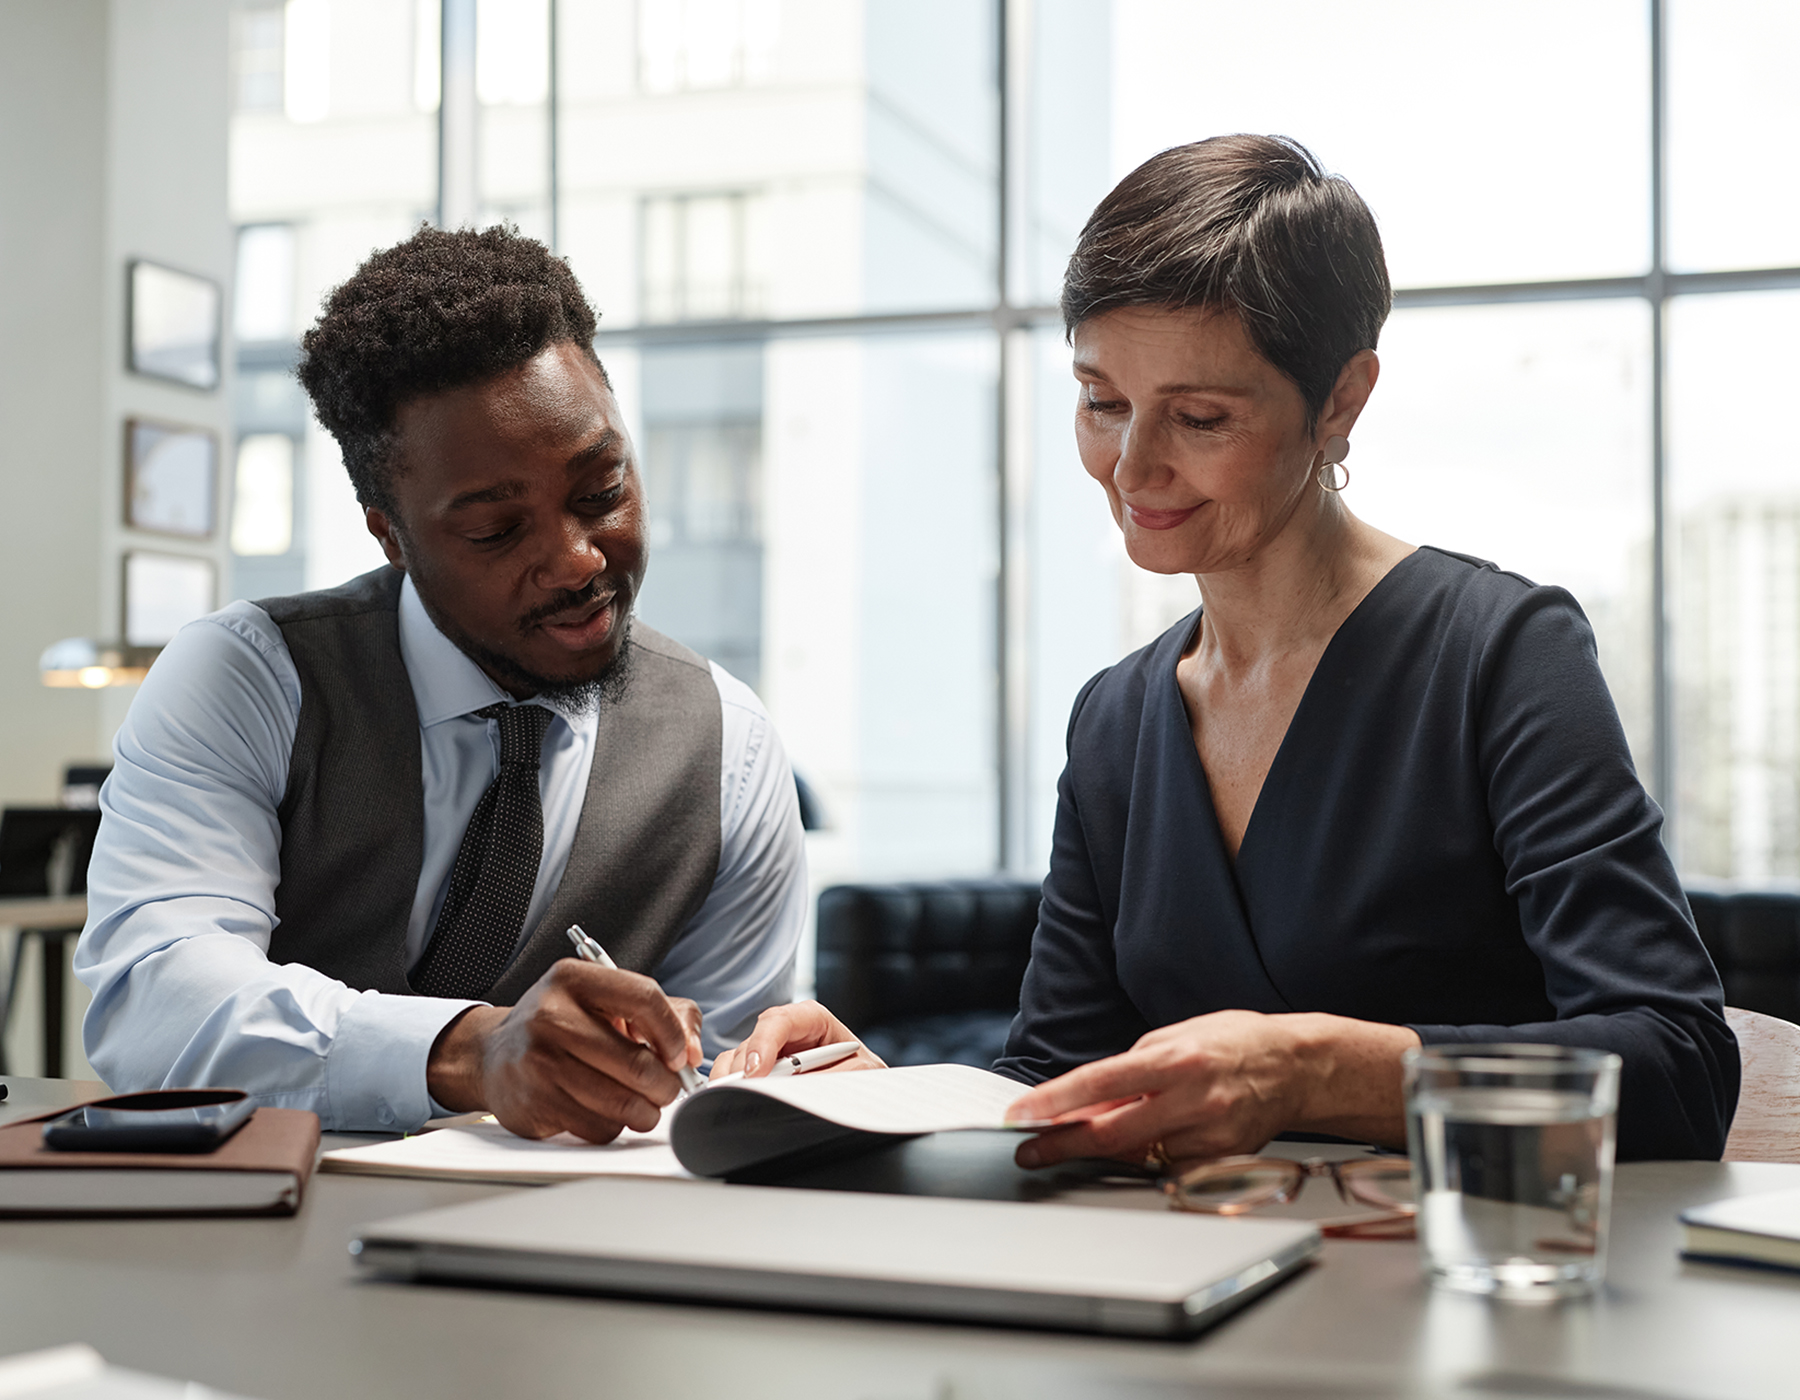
<point>1236,1185</point>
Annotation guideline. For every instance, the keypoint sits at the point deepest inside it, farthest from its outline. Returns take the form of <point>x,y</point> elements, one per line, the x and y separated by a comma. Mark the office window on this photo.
<point>881,521</point>
<point>1735,532</point>
<point>697,257</point>
<point>867,173</point>
<point>1495,143</point>
<point>428,54</point>
<point>306,60</point>
<point>347,163</point>
<point>697,44</point>
<point>263,291</point>
<point>512,88</point>
<point>1734,116</point>
<point>788,214</point>
<point>700,451</point>
<point>256,56</point>
<point>262,515</point>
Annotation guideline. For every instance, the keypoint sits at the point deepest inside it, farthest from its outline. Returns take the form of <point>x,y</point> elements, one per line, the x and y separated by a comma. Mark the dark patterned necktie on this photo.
<point>496,866</point>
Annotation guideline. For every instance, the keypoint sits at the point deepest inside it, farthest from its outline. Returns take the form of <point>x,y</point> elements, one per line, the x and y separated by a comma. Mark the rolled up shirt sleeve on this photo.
<point>181,905</point>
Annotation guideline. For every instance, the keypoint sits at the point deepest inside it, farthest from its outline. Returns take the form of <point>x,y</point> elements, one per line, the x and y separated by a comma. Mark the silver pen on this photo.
<point>589,951</point>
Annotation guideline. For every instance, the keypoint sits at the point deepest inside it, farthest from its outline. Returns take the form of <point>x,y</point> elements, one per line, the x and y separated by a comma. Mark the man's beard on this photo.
<point>576,697</point>
<point>571,696</point>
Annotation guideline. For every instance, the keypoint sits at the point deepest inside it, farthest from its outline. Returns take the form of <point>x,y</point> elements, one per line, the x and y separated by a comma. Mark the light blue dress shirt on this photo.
<point>181,889</point>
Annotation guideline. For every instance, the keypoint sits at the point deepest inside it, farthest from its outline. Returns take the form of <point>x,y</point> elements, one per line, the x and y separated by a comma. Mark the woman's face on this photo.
<point>1199,442</point>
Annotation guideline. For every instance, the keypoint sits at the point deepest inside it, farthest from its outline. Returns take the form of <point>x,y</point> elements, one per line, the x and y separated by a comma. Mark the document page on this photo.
<point>485,1151</point>
<point>912,1099</point>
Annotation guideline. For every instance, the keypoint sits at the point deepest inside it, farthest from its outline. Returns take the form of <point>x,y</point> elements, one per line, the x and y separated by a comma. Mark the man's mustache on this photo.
<point>568,600</point>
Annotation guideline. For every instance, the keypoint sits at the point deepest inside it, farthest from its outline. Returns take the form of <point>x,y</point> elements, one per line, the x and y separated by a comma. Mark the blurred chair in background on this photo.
<point>44,855</point>
<point>927,972</point>
<point>1754,939</point>
<point>81,786</point>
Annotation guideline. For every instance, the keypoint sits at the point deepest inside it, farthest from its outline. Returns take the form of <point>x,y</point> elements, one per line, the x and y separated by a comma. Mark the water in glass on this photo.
<point>1514,1180</point>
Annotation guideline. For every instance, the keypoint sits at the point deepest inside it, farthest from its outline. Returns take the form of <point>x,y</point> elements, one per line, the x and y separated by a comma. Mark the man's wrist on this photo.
<point>453,1070</point>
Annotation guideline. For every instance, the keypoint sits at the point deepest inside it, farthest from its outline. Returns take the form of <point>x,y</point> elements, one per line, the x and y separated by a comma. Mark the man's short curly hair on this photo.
<point>442,310</point>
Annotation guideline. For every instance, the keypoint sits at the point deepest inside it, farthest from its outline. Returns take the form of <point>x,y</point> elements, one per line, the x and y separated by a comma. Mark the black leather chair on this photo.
<point>927,972</point>
<point>1754,939</point>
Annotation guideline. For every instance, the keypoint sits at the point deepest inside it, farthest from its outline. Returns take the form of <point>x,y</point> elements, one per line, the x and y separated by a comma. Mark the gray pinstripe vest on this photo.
<point>646,847</point>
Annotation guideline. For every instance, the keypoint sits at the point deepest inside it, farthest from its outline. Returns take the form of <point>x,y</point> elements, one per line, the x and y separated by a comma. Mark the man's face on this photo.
<point>519,514</point>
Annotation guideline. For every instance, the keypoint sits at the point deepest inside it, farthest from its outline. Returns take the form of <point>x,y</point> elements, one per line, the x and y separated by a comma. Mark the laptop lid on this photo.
<point>1133,1272</point>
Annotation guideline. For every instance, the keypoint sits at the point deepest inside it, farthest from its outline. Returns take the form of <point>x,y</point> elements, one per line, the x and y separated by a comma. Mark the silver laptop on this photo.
<point>1134,1272</point>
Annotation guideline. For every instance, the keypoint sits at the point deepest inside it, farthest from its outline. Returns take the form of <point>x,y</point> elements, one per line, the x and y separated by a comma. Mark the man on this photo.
<point>347,831</point>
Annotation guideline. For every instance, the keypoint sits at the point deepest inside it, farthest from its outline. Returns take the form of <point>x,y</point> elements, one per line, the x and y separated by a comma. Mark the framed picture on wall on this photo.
<point>172,325</point>
<point>170,476</point>
<point>163,593</point>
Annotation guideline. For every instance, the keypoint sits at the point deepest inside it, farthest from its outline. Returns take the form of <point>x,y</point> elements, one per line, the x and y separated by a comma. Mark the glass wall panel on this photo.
<point>878,595</point>
<point>700,411</point>
<point>1520,434</point>
<point>1734,121</point>
<point>333,154</point>
<point>1735,556</point>
<point>512,92</point>
<point>777,158</point>
<point>1494,142</point>
<point>1067,145</point>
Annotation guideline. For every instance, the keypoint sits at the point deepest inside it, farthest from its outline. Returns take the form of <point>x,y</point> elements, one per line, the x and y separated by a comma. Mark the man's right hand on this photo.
<point>568,1057</point>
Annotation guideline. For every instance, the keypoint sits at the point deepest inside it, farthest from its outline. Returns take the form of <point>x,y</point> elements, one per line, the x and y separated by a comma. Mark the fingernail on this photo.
<point>751,1061</point>
<point>1028,1155</point>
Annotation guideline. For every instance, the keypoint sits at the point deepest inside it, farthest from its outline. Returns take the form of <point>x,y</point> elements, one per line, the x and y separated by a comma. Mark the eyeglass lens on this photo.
<point>1238,1184</point>
<point>1386,1182</point>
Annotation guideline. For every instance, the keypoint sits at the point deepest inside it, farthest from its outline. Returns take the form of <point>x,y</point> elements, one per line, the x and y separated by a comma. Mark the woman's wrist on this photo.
<point>1348,1074</point>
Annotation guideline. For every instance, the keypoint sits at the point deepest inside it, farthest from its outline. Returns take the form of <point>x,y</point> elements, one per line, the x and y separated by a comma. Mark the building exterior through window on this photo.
<point>825,238</point>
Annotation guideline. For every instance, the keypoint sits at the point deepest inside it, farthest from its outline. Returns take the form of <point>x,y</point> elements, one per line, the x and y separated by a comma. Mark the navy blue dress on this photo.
<point>1451,838</point>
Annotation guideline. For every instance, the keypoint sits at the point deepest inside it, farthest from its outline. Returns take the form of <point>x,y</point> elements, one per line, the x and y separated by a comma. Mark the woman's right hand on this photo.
<point>787,1030</point>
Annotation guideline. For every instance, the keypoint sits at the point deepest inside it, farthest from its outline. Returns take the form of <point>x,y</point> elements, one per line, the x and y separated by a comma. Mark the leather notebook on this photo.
<point>262,1169</point>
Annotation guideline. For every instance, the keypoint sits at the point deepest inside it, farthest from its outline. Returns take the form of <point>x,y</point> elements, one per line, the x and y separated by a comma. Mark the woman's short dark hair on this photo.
<point>1247,224</point>
<point>444,309</point>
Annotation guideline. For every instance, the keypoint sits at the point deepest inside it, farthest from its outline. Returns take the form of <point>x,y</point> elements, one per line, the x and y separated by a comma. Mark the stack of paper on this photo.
<point>485,1151</point>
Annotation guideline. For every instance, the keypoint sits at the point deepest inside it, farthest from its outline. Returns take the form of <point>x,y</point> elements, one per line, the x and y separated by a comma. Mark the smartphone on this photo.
<point>169,1120</point>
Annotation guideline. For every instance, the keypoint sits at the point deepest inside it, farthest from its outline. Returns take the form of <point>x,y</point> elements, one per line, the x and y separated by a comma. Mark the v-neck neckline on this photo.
<point>1234,863</point>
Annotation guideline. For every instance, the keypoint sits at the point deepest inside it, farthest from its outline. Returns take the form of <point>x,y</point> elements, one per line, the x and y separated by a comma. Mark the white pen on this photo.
<point>589,951</point>
<point>819,1057</point>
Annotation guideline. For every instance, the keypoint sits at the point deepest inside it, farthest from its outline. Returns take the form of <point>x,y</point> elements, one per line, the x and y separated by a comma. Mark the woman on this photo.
<point>1369,795</point>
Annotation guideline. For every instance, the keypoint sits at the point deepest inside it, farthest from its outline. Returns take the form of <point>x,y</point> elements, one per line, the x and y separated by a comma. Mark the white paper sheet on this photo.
<point>485,1151</point>
<point>913,1099</point>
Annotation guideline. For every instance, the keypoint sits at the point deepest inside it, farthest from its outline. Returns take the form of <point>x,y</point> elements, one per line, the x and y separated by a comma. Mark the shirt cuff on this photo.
<point>375,1069</point>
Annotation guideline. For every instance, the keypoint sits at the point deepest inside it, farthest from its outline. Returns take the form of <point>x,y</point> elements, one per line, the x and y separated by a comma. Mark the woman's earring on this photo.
<point>1331,464</point>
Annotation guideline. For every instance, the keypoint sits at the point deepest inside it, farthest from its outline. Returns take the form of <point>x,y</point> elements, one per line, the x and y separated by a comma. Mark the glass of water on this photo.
<point>1512,1156</point>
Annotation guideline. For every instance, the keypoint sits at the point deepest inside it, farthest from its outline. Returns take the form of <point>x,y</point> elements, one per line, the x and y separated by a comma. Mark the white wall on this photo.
<point>168,106</point>
<point>112,146</point>
<point>54,432</point>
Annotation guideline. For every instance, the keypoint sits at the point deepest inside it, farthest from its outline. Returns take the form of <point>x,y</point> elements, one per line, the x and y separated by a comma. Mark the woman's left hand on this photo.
<point>1223,1084</point>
